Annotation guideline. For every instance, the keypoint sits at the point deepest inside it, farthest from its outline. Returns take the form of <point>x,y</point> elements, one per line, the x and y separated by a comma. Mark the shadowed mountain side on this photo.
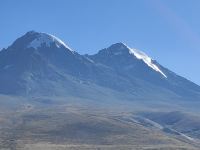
<point>41,64</point>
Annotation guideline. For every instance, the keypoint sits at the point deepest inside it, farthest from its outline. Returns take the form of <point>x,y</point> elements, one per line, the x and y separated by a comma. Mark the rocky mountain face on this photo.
<point>139,68</point>
<point>51,97</point>
<point>42,64</point>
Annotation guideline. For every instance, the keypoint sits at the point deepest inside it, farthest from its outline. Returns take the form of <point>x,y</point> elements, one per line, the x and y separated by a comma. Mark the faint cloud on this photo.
<point>181,26</point>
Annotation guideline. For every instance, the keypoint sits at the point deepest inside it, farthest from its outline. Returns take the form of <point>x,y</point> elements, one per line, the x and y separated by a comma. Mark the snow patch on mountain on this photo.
<point>47,39</point>
<point>141,55</point>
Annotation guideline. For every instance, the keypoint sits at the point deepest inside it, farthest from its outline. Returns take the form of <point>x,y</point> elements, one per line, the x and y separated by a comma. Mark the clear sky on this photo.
<point>167,30</point>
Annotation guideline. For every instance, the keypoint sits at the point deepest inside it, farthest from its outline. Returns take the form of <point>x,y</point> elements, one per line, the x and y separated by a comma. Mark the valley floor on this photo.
<point>34,125</point>
<point>46,146</point>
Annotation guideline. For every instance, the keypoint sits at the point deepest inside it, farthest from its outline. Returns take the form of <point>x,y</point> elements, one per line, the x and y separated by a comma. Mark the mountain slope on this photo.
<point>137,67</point>
<point>51,97</point>
<point>39,63</point>
<point>42,64</point>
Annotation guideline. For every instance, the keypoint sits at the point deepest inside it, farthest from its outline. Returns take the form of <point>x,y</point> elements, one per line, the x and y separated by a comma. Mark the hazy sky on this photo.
<point>167,30</point>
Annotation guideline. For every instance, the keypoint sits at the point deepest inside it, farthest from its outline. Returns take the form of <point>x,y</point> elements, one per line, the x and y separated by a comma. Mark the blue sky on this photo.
<point>167,30</point>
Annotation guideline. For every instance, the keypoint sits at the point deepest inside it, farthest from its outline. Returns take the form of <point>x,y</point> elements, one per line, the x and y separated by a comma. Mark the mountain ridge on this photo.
<point>39,62</point>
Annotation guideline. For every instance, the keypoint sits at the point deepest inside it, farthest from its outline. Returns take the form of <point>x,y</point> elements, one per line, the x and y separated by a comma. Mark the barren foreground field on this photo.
<point>72,126</point>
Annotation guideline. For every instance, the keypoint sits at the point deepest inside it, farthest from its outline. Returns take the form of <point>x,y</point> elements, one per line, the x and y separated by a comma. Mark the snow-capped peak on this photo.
<point>47,39</point>
<point>141,55</point>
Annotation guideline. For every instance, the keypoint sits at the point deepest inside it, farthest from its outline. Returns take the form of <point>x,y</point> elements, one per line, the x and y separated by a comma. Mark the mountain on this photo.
<point>51,97</point>
<point>140,69</point>
<point>42,64</point>
<point>27,64</point>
